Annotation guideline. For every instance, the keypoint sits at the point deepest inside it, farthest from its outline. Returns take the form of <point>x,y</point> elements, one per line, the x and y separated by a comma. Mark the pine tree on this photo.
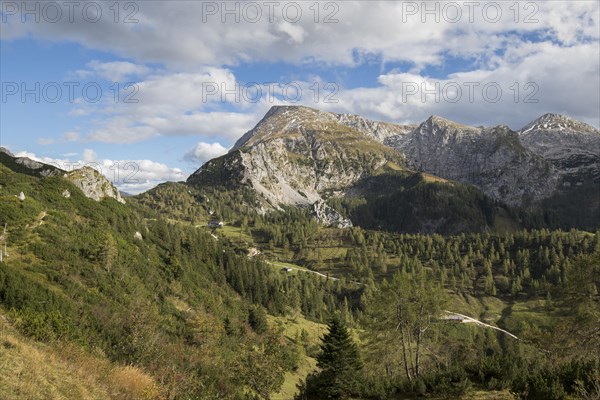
<point>338,362</point>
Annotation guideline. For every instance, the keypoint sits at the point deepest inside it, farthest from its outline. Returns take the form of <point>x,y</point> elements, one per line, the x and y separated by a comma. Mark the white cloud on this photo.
<point>89,155</point>
<point>180,34</point>
<point>204,152</point>
<point>70,136</point>
<point>295,32</point>
<point>45,141</point>
<point>533,69</point>
<point>131,176</point>
<point>193,49</point>
<point>117,71</point>
<point>171,104</point>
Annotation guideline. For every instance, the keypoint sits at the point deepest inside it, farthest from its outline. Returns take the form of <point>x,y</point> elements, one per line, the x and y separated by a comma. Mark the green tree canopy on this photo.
<point>338,363</point>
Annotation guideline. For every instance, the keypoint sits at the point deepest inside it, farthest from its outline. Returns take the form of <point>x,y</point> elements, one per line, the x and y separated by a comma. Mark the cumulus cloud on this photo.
<point>203,152</point>
<point>184,35</point>
<point>131,176</point>
<point>553,45</point>
<point>530,80</point>
<point>170,104</point>
<point>89,155</point>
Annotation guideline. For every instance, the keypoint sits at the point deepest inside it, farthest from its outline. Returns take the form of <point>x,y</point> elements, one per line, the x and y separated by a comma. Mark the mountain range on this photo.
<point>436,176</point>
<point>145,297</point>
<point>301,156</point>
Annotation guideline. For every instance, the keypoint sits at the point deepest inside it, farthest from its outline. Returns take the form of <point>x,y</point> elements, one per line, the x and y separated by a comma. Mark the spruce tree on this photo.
<point>338,364</point>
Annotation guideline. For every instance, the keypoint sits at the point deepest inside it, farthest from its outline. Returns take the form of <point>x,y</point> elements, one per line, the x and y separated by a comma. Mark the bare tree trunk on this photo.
<point>404,351</point>
<point>410,352</point>
<point>400,326</point>
<point>420,331</point>
<point>418,352</point>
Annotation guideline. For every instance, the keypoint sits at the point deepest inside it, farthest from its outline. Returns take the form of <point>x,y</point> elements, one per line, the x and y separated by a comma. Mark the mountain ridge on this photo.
<point>298,155</point>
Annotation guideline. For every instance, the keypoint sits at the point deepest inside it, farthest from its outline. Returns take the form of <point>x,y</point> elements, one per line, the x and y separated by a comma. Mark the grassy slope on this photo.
<point>33,370</point>
<point>292,327</point>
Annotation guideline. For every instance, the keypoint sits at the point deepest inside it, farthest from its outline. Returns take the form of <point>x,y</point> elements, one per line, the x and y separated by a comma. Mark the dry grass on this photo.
<point>133,383</point>
<point>30,370</point>
<point>433,178</point>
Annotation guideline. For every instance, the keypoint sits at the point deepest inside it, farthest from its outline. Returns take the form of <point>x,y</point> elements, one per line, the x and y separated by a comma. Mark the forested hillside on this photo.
<point>207,313</point>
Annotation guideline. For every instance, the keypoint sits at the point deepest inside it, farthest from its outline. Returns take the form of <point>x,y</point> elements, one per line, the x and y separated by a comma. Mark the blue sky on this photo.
<point>180,54</point>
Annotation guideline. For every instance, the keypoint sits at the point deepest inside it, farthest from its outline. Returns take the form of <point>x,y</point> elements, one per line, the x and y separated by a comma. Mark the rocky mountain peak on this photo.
<point>299,155</point>
<point>573,147</point>
<point>93,184</point>
<point>558,122</point>
<point>27,165</point>
<point>439,125</point>
<point>380,131</point>
<point>289,120</point>
<point>282,119</point>
<point>6,151</point>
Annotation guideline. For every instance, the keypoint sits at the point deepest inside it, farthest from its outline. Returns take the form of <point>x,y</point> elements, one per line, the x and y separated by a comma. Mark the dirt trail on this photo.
<point>450,315</point>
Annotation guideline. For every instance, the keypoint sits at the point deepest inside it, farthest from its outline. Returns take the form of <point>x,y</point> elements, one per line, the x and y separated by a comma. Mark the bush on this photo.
<point>44,327</point>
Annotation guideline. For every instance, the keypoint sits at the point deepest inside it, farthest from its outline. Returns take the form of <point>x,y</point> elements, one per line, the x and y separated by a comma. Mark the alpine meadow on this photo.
<point>300,200</point>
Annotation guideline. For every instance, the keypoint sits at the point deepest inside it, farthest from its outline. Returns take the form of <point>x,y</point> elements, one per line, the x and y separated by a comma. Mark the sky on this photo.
<point>147,91</point>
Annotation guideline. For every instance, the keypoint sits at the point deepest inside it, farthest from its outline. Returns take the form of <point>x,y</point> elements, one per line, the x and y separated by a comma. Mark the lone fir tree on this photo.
<point>338,363</point>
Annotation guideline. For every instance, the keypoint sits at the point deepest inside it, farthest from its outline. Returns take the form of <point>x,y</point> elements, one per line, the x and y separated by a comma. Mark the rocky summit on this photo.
<point>298,155</point>
<point>92,183</point>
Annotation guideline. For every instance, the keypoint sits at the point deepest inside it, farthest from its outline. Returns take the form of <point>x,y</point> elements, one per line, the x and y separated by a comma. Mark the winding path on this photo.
<point>450,315</point>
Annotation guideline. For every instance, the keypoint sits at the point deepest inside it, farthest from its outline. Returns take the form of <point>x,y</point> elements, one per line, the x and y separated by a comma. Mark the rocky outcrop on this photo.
<point>571,146</point>
<point>492,159</point>
<point>297,155</point>
<point>93,184</point>
<point>327,216</point>
<point>27,166</point>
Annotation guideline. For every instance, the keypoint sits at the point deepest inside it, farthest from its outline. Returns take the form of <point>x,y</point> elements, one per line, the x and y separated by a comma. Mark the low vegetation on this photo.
<point>143,300</point>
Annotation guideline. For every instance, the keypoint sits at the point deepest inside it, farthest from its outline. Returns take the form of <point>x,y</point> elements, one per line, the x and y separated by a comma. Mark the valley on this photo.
<point>317,230</point>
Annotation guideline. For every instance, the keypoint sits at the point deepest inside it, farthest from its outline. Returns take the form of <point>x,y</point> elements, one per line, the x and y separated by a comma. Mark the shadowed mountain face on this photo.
<point>493,159</point>
<point>298,155</point>
<point>27,166</point>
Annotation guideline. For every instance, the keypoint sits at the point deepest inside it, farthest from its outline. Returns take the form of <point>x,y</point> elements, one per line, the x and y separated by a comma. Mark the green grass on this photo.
<point>292,327</point>
<point>532,312</point>
<point>235,235</point>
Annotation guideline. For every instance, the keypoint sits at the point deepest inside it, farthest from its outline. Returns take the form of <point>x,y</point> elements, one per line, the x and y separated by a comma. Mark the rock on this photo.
<point>300,156</point>
<point>295,155</point>
<point>29,166</point>
<point>492,159</point>
<point>93,184</point>
<point>66,194</point>
<point>137,236</point>
<point>572,147</point>
<point>328,216</point>
<point>21,196</point>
